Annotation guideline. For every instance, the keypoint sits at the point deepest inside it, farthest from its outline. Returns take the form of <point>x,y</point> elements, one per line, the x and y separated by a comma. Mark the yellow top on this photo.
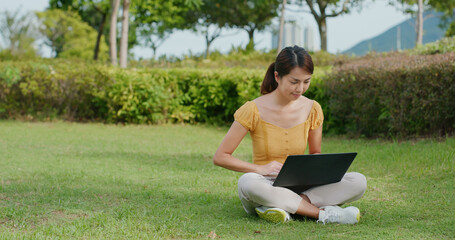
<point>274,143</point>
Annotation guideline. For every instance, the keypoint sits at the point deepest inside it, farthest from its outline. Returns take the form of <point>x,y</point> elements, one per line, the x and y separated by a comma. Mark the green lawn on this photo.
<point>95,181</point>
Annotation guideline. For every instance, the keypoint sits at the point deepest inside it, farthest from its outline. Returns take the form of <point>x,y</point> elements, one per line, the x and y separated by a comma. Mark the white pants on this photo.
<point>256,190</point>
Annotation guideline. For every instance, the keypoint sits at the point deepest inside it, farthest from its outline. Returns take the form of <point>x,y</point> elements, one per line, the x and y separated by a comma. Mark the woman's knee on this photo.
<point>252,184</point>
<point>359,183</point>
<point>248,178</point>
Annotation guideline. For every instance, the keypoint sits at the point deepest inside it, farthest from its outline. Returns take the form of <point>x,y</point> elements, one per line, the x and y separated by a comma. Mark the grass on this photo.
<point>94,181</point>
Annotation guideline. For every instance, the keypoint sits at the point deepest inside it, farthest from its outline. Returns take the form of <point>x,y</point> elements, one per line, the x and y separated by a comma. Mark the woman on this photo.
<point>282,122</point>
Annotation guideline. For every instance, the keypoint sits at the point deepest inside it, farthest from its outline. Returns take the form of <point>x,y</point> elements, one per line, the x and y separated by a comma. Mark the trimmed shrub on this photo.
<point>85,91</point>
<point>393,95</point>
<point>179,95</point>
<point>73,90</point>
<point>136,97</point>
<point>379,95</point>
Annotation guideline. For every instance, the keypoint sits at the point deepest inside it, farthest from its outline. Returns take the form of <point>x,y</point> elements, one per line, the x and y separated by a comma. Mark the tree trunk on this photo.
<point>124,39</point>
<point>209,39</point>
<point>113,32</point>
<point>98,38</point>
<point>322,26</point>
<point>250,45</point>
<point>419,24</point>
<point>280,36</point>
<point>154,52</point>
<point>321,18</point>
<point>207,50</point>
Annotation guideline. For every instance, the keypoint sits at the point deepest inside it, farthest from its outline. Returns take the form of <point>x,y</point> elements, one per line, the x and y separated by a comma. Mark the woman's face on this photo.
<point>294,84</point>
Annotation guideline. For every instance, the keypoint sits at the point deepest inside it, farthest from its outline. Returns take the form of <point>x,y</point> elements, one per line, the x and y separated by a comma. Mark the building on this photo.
<point>294,33</point>
<point>308,39</point>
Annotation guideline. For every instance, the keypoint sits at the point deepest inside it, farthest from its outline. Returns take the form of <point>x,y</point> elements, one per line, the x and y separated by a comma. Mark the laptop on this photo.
<point>301,172</point>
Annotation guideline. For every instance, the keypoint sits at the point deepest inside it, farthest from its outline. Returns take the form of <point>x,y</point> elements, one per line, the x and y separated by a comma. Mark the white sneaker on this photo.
<point>275,215</point>
<point>335,214</point>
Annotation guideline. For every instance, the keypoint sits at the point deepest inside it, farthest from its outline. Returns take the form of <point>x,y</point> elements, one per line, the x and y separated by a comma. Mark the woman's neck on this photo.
<point>281,101</point>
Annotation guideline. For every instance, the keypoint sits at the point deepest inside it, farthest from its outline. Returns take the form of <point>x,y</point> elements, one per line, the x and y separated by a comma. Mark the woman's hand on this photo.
<point>271,169</point>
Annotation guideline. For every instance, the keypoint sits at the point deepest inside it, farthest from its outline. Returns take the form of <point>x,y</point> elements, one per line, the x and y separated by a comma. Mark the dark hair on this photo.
<point>288,59</point>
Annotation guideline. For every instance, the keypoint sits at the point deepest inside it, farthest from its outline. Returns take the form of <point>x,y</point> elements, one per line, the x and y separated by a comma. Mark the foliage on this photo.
<point>93,12</point>
<point>68,36</point>
<point>94,181</point>
<point>133,99</point>
<point>18,33</point>
<point>237,57</point>
<point>384,95</point>
<point>90,11</point>
<point>442,46</point>
<point>393,95</point>
<point>73,90</point>
<point>169,14</point>
<point>323,58</point>
<point>447,7</point>
<point>251,15</point>
<point>326,9</point>
<point>93,92</point>
<point>211,17</point>
<point>409,6</point>
<point>179,95</point>
<point>55,25</point>
<point>450,30</point>
<point>156,19</point>
<point>79,90</point>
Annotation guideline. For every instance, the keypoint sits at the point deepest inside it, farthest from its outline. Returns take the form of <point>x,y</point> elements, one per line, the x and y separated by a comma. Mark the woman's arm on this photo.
<point>223,156</point>
<point>314,140</point>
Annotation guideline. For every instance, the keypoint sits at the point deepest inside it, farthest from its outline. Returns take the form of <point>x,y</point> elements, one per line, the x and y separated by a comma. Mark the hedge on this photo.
<point>393,95</point>
<point>71,90</point>
<point>80,91</point>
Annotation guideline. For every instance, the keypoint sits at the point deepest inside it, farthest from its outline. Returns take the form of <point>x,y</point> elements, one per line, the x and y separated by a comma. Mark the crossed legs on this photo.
<point>256,190</point>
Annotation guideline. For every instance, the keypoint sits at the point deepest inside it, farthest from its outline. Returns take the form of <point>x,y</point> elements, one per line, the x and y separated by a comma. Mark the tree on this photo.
<point>156,20</point>
<point>210,35</point>
<point>124,38</point>
<point>419,23</point>
<point>409,7</point>
<point>210,19</point>
<point>55,25</point>
<point>67,35</point>
<point>252,16</point>
<point>94,12</point>
<point>323,9</point>
<point>280,36</point>
<point>153,37</point>
<point>447,7</point>
<point>113,32</point>
<point>104,11</point>
<point>17,30</point>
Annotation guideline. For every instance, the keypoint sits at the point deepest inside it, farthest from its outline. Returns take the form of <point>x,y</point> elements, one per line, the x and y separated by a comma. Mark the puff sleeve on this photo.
<point>247,116</point>
<point>317,116</point>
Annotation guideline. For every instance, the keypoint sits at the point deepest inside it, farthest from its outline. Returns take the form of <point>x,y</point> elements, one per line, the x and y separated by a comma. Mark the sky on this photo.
<point>343,31</point>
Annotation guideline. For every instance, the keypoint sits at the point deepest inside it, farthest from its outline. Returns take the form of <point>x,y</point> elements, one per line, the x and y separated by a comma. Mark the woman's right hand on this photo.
<point>270,169</point>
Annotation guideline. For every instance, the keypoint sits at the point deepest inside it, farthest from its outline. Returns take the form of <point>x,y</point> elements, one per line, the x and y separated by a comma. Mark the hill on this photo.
<point>402,36</point>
